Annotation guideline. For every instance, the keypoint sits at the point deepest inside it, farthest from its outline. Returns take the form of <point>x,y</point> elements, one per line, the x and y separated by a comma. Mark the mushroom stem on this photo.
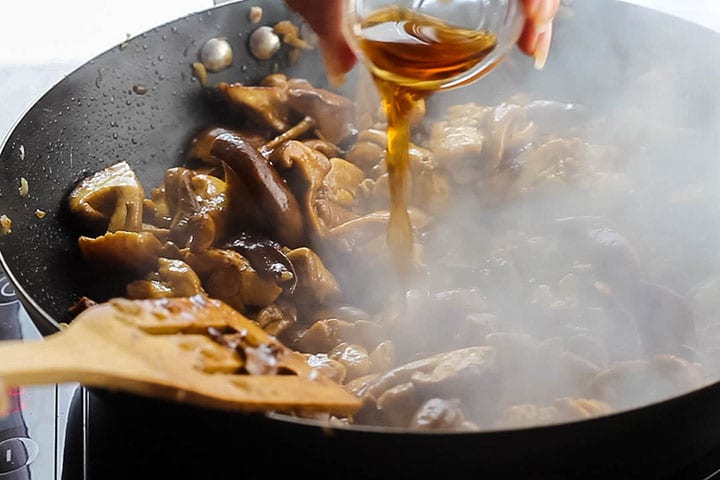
<point>292,133</point>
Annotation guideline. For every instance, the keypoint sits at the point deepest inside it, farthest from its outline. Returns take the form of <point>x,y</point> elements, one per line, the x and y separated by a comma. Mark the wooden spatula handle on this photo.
<point>39,362</point>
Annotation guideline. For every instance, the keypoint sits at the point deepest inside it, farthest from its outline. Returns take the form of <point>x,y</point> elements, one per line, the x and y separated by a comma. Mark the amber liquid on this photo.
<point>411,55</point>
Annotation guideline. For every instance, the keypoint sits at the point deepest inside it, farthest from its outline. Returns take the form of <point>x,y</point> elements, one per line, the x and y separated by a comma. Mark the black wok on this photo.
<point>95,117</point>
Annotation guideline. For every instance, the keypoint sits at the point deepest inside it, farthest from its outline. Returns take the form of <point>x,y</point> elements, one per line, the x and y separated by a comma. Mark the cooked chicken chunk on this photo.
<point>228,276</point>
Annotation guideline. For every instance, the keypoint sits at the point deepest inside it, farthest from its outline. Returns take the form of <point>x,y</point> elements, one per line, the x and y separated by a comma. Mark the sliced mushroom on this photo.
<point>197,205</point>
<point>333,113</point>
<point>457,371</point>
<point>133,252</point>
<point>307,171</point>
<point>260,200</point>
<point>280,102</point>
<point>639,382</point>
<point>111,199</point>
<point>266,257</point>
<point>267,104</point>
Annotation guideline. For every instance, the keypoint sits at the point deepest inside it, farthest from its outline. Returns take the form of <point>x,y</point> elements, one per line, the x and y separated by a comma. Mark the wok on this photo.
<point>94,118</point>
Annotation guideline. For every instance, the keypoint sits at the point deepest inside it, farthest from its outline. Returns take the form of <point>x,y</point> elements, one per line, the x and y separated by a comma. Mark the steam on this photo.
<point>586,253</point>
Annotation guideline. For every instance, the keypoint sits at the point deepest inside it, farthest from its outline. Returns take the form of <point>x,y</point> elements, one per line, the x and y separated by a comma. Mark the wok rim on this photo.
<point>47,325</point>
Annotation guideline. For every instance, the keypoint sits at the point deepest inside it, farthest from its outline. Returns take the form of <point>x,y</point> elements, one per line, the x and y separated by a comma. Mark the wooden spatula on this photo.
<point>162,348</point>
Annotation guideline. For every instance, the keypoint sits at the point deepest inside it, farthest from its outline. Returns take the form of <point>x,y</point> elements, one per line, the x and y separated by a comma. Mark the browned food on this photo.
<point>111,199</point>
<point>508,319</point>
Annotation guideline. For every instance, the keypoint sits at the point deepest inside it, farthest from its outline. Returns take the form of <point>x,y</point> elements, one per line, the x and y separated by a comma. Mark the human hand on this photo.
<point>537,32</point>
<point>326,21</point>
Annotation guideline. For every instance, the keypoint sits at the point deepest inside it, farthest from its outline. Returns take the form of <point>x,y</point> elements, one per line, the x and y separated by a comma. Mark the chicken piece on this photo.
<point>342,182</point>
<point>535,371</point>
<point>396,405</point>
<point>276,319</point>
<point>458,140</point>
<point>357,253</point>
<point>354,357</point>
<point>570,409</point>
<point>665,320</point>
<point>552,163</point>
<point>422,313</point>
<point>556,118</point>
<point>526,415</point>
<point>562,410</point>
<point>359,385</point>
<point>130,252</point>
<point>315,283</point>
<point>468,374</point>
<point>598,242</point>
<point>455,372</point>
<point>382,358</point>
<point>636,383</point>
<point>196,206</point>
<point>228,276</point>
<point>428,184</point>
<point>174,278</point>
<point>325,334</point>
<point>109,200</point>
<point>355,235</point>
<point>331,368</point>
<point>368,155</point>
<point>473,141</point>
<point>438,413</point>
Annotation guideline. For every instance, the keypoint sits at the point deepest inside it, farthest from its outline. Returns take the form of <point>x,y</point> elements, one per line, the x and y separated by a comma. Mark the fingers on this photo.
<point>325,20</point>
<point>338,57</point>
<point>537,33</point>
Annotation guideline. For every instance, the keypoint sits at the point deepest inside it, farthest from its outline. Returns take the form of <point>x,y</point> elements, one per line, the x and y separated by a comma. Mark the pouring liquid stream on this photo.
<point>411,55</point>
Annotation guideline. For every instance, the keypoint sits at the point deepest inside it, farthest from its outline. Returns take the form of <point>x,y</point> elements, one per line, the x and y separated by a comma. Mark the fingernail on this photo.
<point>540,60</point>
<point>542,49</point>
<point>547,10</point>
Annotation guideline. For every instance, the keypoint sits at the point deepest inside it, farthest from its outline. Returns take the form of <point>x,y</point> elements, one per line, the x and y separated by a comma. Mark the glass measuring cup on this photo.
<point>503,19</point>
